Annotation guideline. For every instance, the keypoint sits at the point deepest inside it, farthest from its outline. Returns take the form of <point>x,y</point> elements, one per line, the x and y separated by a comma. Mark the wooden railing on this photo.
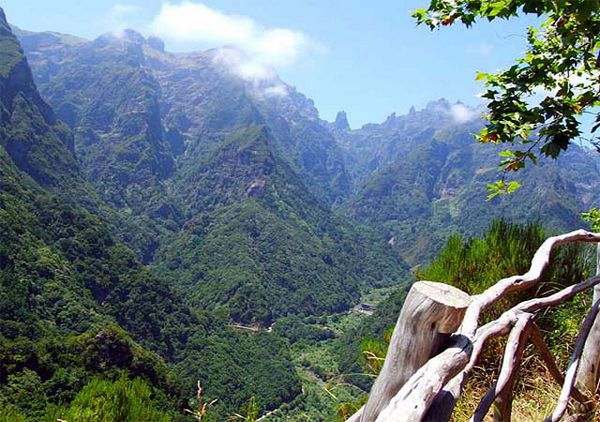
<point>438,340</point>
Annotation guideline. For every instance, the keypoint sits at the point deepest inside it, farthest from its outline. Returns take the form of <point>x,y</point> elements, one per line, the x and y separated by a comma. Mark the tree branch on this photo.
<point>502,389</point>
<point>537,339</point>
<point>416,396</point>
<point>563,399</point>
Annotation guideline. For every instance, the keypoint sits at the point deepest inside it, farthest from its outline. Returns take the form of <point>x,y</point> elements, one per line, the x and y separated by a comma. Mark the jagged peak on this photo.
<point>437,104</point>
<point>155,43</point>
<point>341,121</point>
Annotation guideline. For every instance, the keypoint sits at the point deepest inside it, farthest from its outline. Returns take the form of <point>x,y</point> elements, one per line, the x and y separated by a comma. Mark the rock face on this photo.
<point>29,131</point>
<point>164,107</point>
<point>102,90</point>
<point>341,122</point>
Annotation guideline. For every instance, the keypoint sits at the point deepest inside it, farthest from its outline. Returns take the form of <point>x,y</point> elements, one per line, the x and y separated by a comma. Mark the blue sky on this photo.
<point>367,58</point>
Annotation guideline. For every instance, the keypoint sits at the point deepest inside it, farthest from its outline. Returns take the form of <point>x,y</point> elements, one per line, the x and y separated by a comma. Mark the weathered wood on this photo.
<point>419,392</point>
<point>441,379</point>
<point>544,352</point>
<point>431,312</point>
<point>413,401</point>
<point>563,399</point>
<point>588,375</point>
<point>501,393</point>
<point>456,361</point>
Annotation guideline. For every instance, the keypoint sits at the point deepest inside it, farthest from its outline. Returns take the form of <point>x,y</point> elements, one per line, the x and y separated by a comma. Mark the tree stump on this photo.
<point>431,313</point>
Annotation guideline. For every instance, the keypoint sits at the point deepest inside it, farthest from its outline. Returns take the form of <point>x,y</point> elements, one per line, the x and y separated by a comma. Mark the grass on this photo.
<point>535,399</point>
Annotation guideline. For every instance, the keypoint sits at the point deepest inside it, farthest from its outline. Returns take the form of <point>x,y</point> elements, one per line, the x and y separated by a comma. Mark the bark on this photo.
<point>431,312</point>
<point>501,393</point>
<point>430,393</point>
<point>582,337</point>
<point>589,370</point>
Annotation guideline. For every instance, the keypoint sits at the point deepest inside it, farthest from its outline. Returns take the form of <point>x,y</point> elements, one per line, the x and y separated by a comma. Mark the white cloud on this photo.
<point>279,90</point>
<point>263,48</point>
<point>461,113</point>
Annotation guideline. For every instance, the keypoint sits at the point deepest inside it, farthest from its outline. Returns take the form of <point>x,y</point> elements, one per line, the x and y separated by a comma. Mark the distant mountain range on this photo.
<point>165,194</point>
<point>149,118</point>
<point>229,185</point>
<point>420,177</point>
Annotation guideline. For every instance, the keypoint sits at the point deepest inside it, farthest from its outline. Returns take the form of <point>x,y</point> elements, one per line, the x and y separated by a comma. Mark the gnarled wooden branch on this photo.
<point>410,404</point>
<point>501,392</point>
<point>588,374</point>
<point>540,261</point>
<point>537,339</point>
<point>418,393</point>
<point>584,331</point>
<point>441,379</point>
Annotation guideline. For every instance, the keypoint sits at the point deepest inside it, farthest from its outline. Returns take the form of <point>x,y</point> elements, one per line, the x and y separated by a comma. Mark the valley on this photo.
<point>164,220</point>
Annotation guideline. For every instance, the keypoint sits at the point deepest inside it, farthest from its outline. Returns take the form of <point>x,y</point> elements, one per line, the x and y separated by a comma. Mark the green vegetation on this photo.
<point>119,400</point>
<point>126,271</point>
<point>10,50</point>
<point>465,264</point>
<point>327,394</point>
<point>561,62</point>
<point>271,252</point>
<point>432,183</point>
<point>86,330</point>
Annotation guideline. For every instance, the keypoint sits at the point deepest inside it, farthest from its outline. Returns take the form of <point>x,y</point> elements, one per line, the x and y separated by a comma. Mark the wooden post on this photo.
<point>431,312</point>
<point>589,369</point>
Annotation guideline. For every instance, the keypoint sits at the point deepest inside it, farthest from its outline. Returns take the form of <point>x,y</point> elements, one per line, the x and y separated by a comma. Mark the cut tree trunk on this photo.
<point>431,312</point>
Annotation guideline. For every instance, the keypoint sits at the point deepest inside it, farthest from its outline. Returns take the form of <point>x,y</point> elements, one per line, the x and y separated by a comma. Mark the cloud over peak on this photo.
<point>461,113</point>
<point>265,48</point>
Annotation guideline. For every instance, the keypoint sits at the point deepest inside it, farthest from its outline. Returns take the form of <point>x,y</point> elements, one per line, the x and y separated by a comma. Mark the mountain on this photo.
<point>421,177</point>
<point>228,183</point>
<point>182,199</point>
<point>78,308</point>
<point>134,77</point>
<point>268,247</point>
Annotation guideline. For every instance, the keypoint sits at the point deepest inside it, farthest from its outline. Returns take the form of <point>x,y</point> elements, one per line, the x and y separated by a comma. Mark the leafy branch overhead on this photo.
<point>536,105</point>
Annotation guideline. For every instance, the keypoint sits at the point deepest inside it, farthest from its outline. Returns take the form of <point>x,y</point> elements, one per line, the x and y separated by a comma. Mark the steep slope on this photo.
<point>66,282</point>
<point>201,99</point>
<point>421,177</point>
<point>29,131</point>
<point>262,244</point>
<point>103,92</point>
<point>61,272</point>
<point>245,219</point>
<point>223,102</point>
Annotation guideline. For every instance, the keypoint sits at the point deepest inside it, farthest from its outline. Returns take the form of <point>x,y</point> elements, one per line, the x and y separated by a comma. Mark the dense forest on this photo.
<point>163,222</point>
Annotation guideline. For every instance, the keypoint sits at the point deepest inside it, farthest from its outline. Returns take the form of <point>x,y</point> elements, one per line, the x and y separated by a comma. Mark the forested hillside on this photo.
<point>229,188</point>
<point>420,177</point>
<point>164,220</point>
<point>66,282</point>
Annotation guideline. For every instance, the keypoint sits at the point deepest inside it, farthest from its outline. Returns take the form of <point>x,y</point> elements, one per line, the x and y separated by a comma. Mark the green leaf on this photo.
<point>513,186</point>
